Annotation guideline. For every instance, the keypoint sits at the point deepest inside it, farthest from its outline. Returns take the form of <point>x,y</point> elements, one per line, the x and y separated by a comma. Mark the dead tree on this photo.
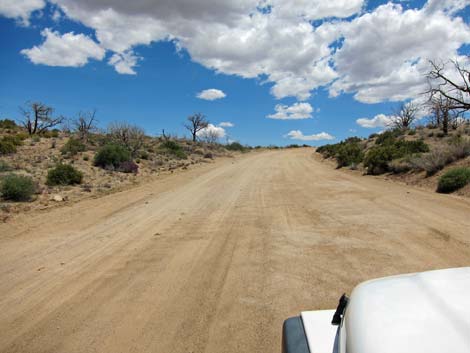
<point>85,124</point>
<point>196,123</point>
<point>454,88</point>
<point>130,136</point>
<point>37,118</point>
<point>405,116</point>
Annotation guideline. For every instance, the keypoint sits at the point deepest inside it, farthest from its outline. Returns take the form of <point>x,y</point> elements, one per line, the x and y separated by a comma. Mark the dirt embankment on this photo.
<point>213,259</point>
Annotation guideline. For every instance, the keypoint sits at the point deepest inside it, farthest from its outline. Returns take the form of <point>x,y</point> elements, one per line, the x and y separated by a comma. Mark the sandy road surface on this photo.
<point>214,259</point>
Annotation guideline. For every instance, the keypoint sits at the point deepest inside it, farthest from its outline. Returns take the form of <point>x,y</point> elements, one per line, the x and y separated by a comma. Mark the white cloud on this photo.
<point>211,94</point>
<point>212,131</point>
<point>298,135</point>
<point>294,112</point>
<point>124,63</point>
<point>226,124</point>
<point>377,56</point>
<point>68,49</point>
<point>20,9</point>
<point>385,53</point>
<point>380,120</point>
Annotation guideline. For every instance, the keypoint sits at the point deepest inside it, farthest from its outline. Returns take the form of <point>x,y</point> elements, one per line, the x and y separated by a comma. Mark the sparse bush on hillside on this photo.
<point>128,167</point>
<point>433,161</point>
<point>378,158</point>
<point>72,147</point>
<point>388,136</point>
<point>111,156</point>
<point>349,154</point>
<point>235,146</point>
<point>7,124</point>
<point>4,167</point>
<point>453,180</point>
<point>50,133</point>
<point>173,148</point>
<point>7,147</point>
<point>17,139</point>
<point>64,174</point>
<point>441,156</point>
<point>17,187</point>
<point>130,136</point>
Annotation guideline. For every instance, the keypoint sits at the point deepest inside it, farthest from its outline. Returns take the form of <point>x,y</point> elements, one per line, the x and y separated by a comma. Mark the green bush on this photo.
<point>235,146</point>
<point>378,157</point>
<point>17,187</point>
<point>17,139</point>
<point>349,154</point>
<point>174,148</point>
<point>453,179</point>
<point>7,124</point>
<point>388,136</point>
<point>7,147</point>
<point>4,167</point>
<point>111,156</point>
<point>72,147</point>
<point>64,174</point>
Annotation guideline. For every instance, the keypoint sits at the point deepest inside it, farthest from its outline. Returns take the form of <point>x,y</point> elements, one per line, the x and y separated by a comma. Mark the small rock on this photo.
<point>58,198</point>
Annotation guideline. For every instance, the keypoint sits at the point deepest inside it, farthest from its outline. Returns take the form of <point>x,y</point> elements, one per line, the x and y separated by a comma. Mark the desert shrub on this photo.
<point>329,150</point>
<point>128,167</point>
<point>388,136</point>
<point>440,134</point>
<point>235,146</point>
<point>453,180</point>
<point>4,167</point>
<point>7,147</point>
<point>72,147</point>
<point>7,124</point>
<point>144,155</point>
<point>433,161</point>
<point>36,138</point>
<point>17,187</point>
<point>349,154</point>
<point>399,166</point>
<point>174,148</point>
<point>111,156</point>
<point>412,132</point>
<point>17,139</point>
<point>130,136</point>
<point>86,158</point>
<point>208,155</point>
<point>373,135</point>
<point>64,174</point>
<point>459,147</point>
<point>293,145</point>
<point>377,158</point>
<point>49,134</point>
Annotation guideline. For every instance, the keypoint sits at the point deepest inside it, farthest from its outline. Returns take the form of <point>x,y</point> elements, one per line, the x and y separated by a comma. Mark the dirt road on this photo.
<point>213,260</point>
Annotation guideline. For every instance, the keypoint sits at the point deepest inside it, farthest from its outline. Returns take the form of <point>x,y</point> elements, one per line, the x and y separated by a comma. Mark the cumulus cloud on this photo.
<point>226,124</point>
<point>380,120</point>
<point>211,132</point>
<point>377,56</point>
<point>298,135</point>
<point>211,94</point>
<point>296,111</point>
<point>20,9</point>
<point>124,63</point>
<point>385,53</point>
<point>68,49</point>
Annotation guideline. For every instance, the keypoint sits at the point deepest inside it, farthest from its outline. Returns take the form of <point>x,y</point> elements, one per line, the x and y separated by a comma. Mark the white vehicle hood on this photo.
<point>426,312</point>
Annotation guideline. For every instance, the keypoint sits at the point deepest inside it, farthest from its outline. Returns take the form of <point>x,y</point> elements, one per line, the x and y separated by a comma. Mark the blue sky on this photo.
<point>323,68</point>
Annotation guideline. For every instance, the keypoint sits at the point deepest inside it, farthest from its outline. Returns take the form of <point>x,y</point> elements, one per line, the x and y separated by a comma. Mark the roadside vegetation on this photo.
<point>423,144</point>
<point>47,158</point>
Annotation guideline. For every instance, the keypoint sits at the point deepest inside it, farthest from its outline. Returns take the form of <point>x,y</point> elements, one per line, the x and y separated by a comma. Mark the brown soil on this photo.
<point>214,259</point>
